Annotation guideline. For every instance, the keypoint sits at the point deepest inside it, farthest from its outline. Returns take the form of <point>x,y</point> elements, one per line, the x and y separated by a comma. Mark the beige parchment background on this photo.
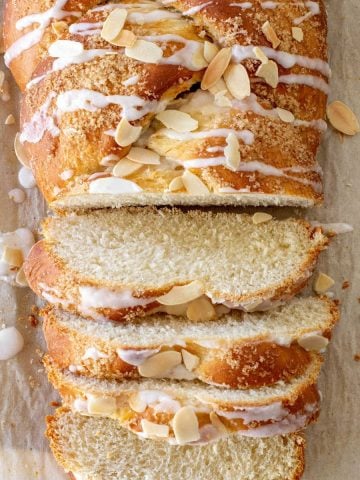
<point>333,444</point>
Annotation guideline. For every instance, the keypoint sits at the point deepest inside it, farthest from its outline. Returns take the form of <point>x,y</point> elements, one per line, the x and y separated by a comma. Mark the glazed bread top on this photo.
<point>249,135</point>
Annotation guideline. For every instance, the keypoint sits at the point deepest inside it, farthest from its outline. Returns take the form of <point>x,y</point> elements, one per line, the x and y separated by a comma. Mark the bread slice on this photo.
<point>238,350</point>
<point>100,449</point>
<point>215,412</point>
<point>116,264</point>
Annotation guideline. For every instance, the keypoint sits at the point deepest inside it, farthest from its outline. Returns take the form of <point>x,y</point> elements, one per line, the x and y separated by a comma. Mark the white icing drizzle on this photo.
<point>136,357</point>
<point>264,413</point>
<point>131,81</point>
<point>243,5</point>
<point>41,122</point>
<point>245,135</point>
<point>93,354</point>
<point>21,239</point>
<point>153,16</point>
<point>52,295</point>
<point>111,6</point>
<point>93,298</point>
<point>269,5</point>
<point>337,228</point>
<point>197,9</point>
<point>33,37</point>
<point>314,9</point>
<point>285,59</point>
<point>85,28</point>
<point>309,80</point>
<point>159,401</point>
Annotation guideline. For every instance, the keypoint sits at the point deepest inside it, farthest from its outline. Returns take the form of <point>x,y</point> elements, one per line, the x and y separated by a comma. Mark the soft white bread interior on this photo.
<point>100,449</point>
<point>236,350</point>
<point>119,262</point>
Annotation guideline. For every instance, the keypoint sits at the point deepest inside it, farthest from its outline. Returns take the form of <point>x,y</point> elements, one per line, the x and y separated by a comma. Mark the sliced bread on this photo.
<point>98,448</point>
<point>192,412</point>
<point>237,350</point>
<point>113,264</point>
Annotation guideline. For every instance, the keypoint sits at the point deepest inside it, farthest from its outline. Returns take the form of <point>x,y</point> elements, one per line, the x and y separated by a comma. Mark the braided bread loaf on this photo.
<point>143,102</point>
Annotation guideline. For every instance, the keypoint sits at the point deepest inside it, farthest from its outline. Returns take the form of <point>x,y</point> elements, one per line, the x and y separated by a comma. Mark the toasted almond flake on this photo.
<point>10,119</point>
<point>59,28</point>
<point>261,217</point>
<point>160,364</point>
<point>260,55</point>
<point>186,426</point>
<point>126,134</point>
<point>190,361</point>
<point>126,167</point>
<point>144,51</point>
<point>65,48</point>
<point>181,373</point>
<point>21,279</point>
<point>143,156</point>
<point>154,429</point>
<point>220,86</point>
<point>314,343</point>
<point>237,81</point>
<point>198,61</point>
<point>215,420</point>
<point>113,24</point>
<point>285,115</point>
<point>216,68</point>
<point>12,256</point>
<point>176,184</point>
<point>137,404</point>
<point>323,283</point>
<point>193,184</point>
<point>297,34</point>
<point>178,121</point>
<point>210,51</point>
<point>101,405</point>
<point>269,72</point>
<point>200,310</point>
<point>270,34</point>
<point>113,186</point>
<point>182,294</point>
<point>342,118</point>
<point>232,152</point>
<point>20,151</point>
<point>126,38</point>
<point>222,100</point>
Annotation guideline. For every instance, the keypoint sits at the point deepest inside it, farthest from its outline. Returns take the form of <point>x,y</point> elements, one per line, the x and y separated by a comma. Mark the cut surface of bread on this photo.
<point>114,264</point>
<point>236,350</point>
<point>100,449</point>
<point>215,412</point>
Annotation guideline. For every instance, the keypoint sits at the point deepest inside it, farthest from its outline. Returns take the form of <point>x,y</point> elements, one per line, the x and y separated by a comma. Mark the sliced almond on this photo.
<point>313,343</point>
<point>126,38</point>
<point>20,278</point>
<point>125,167</point>
<point>285,115</point>
<point>190,361</point>
<point>215,420</point>
<point>237,81</point>
<point>222,100</point>
<point>261,217</point>
<point>193,184</point>
<point>270,34</point>
<point>20,151</point>
<point>323,283</point>
<point>342,118</point>
<point>65,48</point>
<point>10,119</point>
<point>178,121</point>
<point>260,55</point>
<point>160,364</point>
<point>126,134</point>
<point>220,86</point>
<point>113,24</point>
<point>210,51</point>
<point>12,256</point>
<point>269,72</point>
<point>101,405</point>
<point>232,152</point>
<point>113,186</point>
<point>176,184</point>
<point>198,61</point>
<point>216,68</point>
<point>182,294</point>
<point>297,34</point>
<point>201,310</point>
<point>154,429</point>
<point>180,373</point>
<point>59,28</point>
<point>143,156</point>
<point>144,51</point>
<point>186,426</point>
<point>136,403</point>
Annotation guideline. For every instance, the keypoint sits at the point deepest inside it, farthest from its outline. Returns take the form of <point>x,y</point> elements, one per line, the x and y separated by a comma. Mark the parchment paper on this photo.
<point>333,451</point>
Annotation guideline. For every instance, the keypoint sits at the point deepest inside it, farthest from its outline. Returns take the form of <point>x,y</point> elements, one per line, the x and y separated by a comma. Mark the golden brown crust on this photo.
<point>250,363</point>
